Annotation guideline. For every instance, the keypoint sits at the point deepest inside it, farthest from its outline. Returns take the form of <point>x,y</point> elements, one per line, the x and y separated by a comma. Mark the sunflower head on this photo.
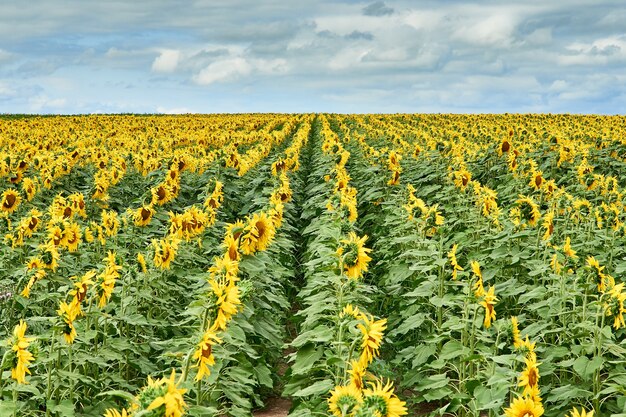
<point>344,400</point>
<point>524,407</point>
<point>10,201</point>
<point>381,399</point>
<point>354,255</point>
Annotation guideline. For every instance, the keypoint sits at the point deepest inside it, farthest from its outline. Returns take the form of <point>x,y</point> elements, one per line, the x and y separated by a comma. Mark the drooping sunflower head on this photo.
<point>344,400</point>
<point>614,307</point>
<point>515,333</point>
<point>143,215</point>
<point>382,400</point>
<point>354,255</point>
<point>529,210</point>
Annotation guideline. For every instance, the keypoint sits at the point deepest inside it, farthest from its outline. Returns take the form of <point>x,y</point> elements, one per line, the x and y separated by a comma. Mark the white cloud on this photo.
<point>167,61</point>
<point>599,52</point>
<point>175,110</point>
<point>4,55</point>
<point>43,102</point>
<point>223,70</point>
<point>496,30</point>
<point>232,68</point>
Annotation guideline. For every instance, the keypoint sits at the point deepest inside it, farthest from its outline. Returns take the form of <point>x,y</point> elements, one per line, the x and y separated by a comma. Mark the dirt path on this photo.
<point>276,407</point>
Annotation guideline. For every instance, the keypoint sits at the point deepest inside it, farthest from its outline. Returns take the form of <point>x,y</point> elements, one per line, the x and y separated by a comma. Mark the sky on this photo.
<point>234,56</point>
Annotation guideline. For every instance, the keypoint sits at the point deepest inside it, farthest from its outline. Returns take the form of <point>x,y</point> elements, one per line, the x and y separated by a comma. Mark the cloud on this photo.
<point>167,61</point>
<point>378,8</point>
<point>340,56</point>
<point>44,103</point>
<point>175,110</point>
<point>223,70</point>
<point>356,35</point>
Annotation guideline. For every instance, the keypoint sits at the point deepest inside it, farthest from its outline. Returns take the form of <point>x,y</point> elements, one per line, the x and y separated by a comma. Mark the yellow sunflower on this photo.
<point>22,357</point>
<point>344,400</point>
<point>204,352</point>
<point>524,407</point>
<point>10,201</point>
<point>353,254</point>
<point>581,413</point>
<point>529,377</point>
<point>143,215</point>
<point>372,336</point>
<point>489,301</point>
<point>382,400</point>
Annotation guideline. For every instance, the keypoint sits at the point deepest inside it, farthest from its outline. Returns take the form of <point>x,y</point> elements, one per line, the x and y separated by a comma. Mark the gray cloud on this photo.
<point>378,8</point>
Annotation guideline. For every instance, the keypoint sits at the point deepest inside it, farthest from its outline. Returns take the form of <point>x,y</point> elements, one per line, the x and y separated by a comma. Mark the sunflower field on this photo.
<point>358,265</point>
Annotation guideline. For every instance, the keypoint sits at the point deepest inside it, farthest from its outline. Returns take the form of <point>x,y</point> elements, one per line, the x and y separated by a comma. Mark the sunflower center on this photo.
<point>9,201</point>
<point>145,214</point>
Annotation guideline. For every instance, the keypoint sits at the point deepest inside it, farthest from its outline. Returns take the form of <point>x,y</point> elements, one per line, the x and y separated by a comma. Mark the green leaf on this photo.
<point>422,353</point>
<point>318,388</point>
<point>306,358</point>
<point>566,393</point>
<point>452,349</point>
<point>585,368</point>
<point>409,324</point>
<point>117,393</point>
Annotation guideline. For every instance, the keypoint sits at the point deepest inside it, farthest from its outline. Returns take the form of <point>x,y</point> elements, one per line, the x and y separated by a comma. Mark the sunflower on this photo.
<point>22,357</point>
<point>161,194</point>
<point>614,307</point>
<point>372,336</point>
<point>604,281</point>
<point>110,412</point>
<point>344,400</point>
<point>353,255</point>
<point>68,313</point>
<point>524,407</point>
<point>171,401</point>
<point>204,352</point>
<point>81,286</point>
<point>395,178</point>
<point>479,289</point>
<point>10,201</point>
<point>142,262</point>
<point>143,215</point>
<point>259,233</point>
<point>505,146</point>
<point>567,249</point>
<point>489,301</point>
<point>548,225</point>
<point>110,222</point>
<point>462,178</point>
<point>529,378</point>
<point>529,209</point>
<point>536,180</point>
<point>232,247</point>
<point>71,236</point>
<point>351,311</point>
<point>108,277</point>
<point>49,256</point>
<point>357,373</point>
<point>165,252</point>
<point>30,188</point>
<point>555,264</point>
<point>582,413</point>
<point>224,267</point>
<point>453,262</point>
<point>517,341</point>
<point>382,400</point>
<point>227,303</point>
